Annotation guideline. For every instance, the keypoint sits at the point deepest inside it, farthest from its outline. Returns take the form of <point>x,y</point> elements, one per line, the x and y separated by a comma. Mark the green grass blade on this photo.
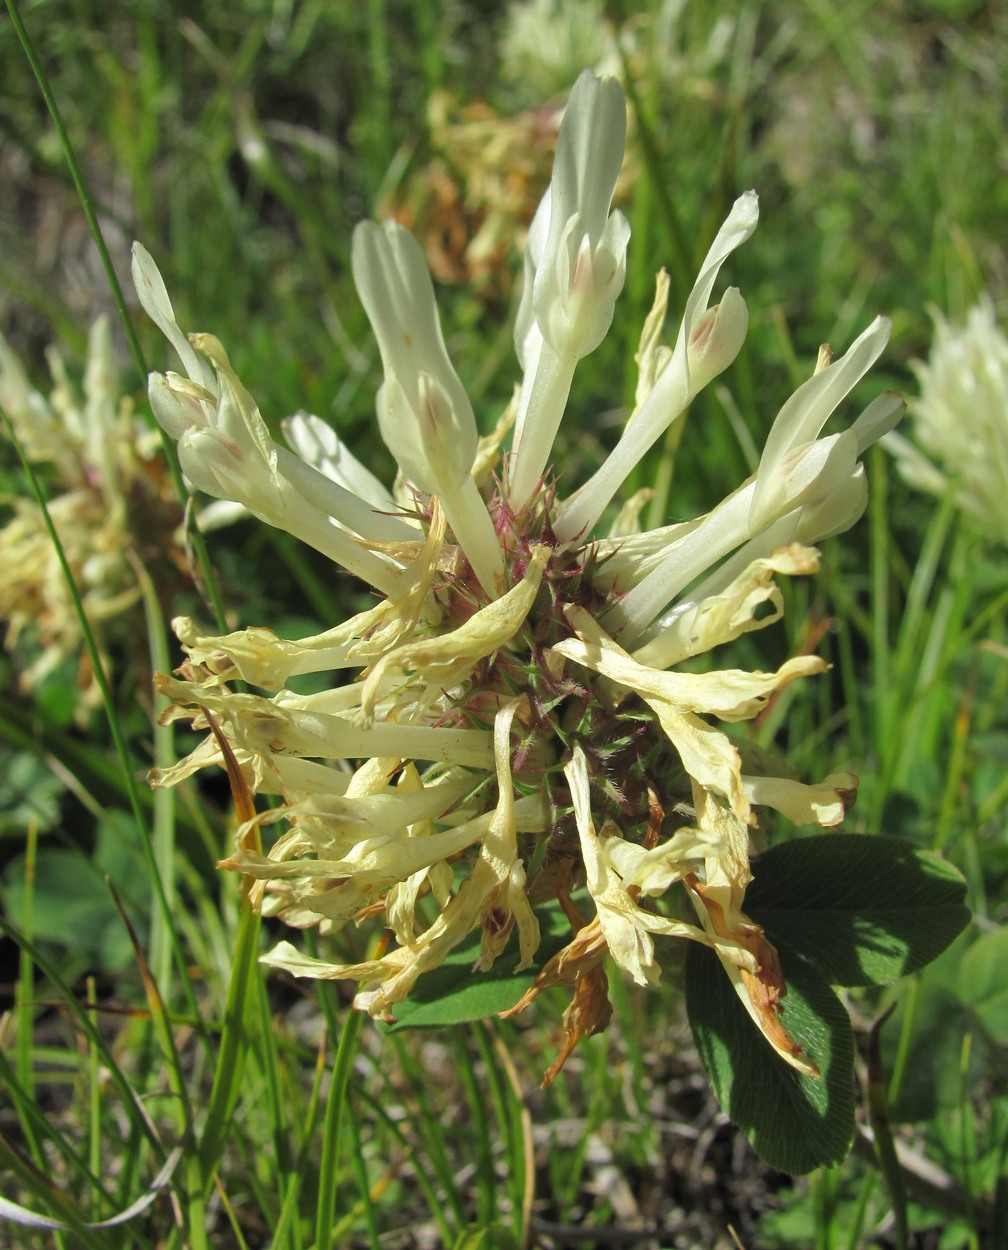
<point>885,1145</point>
<point>126,762</point>
<point>287,1231</point>
<point>336,1106</point>
<point>37,1131</point>
<point>94,1088</point>
<point>486,1181</point>
<point>363,1188</point>
<point>24,991</point>
<point>163,936</point>
<point>418,1161</point>
<point>432,1139</point>
<point>238,1030</point>
<point>37,1182</point>
<point>81,1017</point>
<point>193,532</point>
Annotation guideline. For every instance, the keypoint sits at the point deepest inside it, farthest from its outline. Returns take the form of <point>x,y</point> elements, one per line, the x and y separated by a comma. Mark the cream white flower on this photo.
<point>518,731</point>
<point>575,264</point>
<point>112,504</point>
<point>423,410</point>
<point>545,43</point>
<point>960,421</point>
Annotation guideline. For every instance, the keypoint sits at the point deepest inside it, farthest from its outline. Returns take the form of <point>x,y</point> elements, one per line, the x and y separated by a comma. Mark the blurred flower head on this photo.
<point>521,728</point>
<point>546,43</point>
<point>471,202</point>
<point>109,497</point>
<point>958,437</point>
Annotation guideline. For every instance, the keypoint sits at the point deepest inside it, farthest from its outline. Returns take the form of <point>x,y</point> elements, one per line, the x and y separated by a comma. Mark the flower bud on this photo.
<point>716,339</point>
<point>794,455</point>
<point>219,467</point>
<point>424,429</point>
<point>835,512</point>
<point>424,413</point>
<point>575,266</point>
<point>575,303</point>
<point>150,289</point>
<point>582,267</point>
<point>178,404</point>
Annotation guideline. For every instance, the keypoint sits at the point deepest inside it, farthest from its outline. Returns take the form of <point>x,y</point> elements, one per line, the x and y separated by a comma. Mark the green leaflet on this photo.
<point>957,1022</point>
<point>865,909</point>
<point>453,993</point>
<point>842,909</point>
<point>794,1122</point>
<point>982,985</point>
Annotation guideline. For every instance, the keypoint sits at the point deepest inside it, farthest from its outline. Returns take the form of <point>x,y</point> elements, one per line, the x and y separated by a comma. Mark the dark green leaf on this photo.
<point>865,909</point>
<point>796,1123</point>
<point>57,696</point>
<point>984,985</point>
<point>455,993</point>
<point>29,793</point>
<point>953,1022</point>
<point>71,907</point>
<point>925,1039</point>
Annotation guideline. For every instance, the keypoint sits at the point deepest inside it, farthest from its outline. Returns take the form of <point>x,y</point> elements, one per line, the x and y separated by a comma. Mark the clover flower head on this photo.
<point>958,441</point>
<point>99,458</point>
<point>520,729</point>
<point>471,204</point>
<point>545,43</point>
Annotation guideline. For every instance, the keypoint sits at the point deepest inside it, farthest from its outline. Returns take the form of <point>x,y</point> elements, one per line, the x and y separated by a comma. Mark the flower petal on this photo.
<point>673,391</point>
<point>713,618</point>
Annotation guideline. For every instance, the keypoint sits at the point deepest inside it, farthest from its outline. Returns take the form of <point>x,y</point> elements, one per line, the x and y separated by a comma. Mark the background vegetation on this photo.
<point>240,143</point>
